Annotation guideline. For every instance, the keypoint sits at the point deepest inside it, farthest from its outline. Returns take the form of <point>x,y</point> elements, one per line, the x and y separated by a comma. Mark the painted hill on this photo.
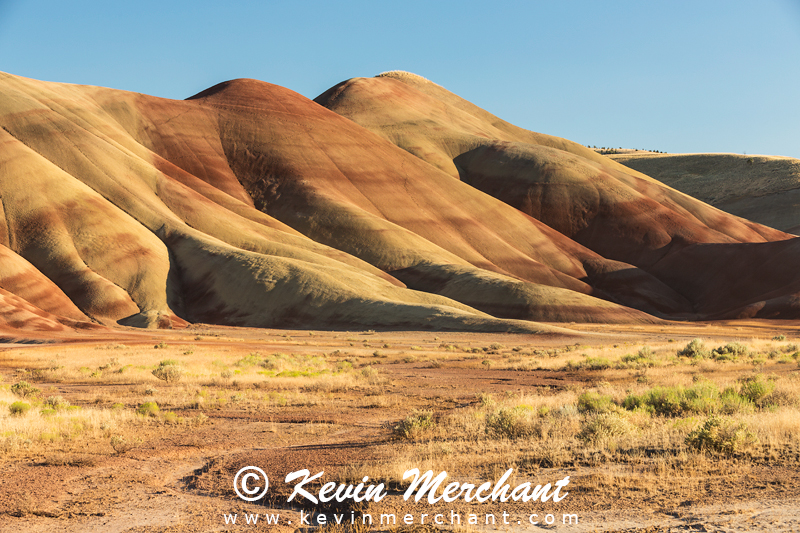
<point>619,213</point>
<point>249,204</point>
<point>764,189</point>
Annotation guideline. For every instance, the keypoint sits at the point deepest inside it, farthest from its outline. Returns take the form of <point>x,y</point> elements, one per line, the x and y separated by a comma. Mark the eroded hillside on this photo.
<point>388,202</point>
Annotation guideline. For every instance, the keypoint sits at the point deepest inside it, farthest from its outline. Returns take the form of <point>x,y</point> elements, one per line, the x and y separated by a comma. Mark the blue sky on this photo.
<point>707,76</point>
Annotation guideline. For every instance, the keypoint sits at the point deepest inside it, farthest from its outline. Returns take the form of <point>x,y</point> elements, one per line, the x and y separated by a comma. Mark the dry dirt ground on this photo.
<point>178,477</point>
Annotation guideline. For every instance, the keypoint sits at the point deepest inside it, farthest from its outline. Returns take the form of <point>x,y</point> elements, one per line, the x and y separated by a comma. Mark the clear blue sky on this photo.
<point>679,76</point>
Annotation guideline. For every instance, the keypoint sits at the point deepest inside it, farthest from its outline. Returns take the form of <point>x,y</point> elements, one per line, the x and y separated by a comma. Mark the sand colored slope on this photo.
<point>19,277</point>
<point>619,213</point>
<point>613,210</point>
<point>501,295</point>
<point>764,189</point>
<point>89,205</point>
<point>251,205</point>
<point>395,104</point>
<point>277,292</point>
<point>350,203</point>
<point>616,214</point>
<point>348,179</point>
<point>346,187</point>
<point>19,314</point>
<point>73,236</point>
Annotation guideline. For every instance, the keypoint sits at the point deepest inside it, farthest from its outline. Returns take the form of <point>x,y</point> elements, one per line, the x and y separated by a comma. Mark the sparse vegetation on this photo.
<point>590,363</point>
<point>168,370</point>
<point>19,408</point>
<point>510,422</point>
<point>696,348</point>
<point>605,428</point>
<point>722,435</point>
<point>641,407</point>
<point>57,403</point>
<point>644,358</point>
<point>120,444</point>
<point>414,425</point>
<point>592,402</point>
<point>756,389</point>
<point>23,389</point>
<point>148,409</point>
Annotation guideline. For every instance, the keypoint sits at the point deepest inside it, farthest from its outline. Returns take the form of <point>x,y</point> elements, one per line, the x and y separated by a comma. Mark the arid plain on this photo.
<point>383,278</point>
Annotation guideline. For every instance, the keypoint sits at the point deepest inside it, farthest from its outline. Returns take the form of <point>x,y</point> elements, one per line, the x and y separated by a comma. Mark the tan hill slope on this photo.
<point>617,212</point>
<point>603,205</point>
<point>251,205</point>
<point>346,187</point>
<point>764,189</point>
<point>128,236</point>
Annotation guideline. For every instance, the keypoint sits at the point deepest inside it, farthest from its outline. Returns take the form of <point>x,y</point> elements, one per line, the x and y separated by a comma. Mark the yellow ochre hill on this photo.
<point>387,202</point>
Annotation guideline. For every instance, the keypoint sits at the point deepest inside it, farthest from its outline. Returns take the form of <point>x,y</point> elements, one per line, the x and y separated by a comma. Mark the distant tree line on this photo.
<point>607,150</point>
